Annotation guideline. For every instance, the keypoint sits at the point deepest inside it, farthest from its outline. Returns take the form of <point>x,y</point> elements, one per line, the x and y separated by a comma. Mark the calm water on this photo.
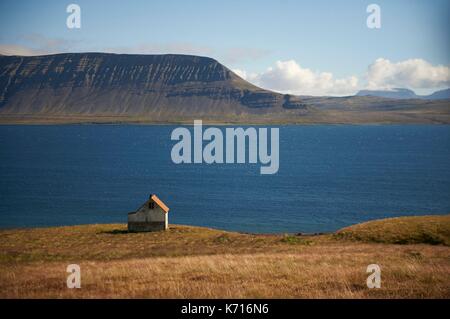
<point>329,177</point>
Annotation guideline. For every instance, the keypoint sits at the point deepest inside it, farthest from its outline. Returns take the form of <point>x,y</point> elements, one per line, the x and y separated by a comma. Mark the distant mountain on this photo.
<point>102,87</point>
<point>399,93</point>
<point>439,95</point>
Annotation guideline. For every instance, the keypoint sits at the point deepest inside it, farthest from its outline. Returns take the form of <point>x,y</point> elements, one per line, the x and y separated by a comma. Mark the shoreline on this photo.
<point>287,233</point>
<point>283,233</point>
<point>213,123</point>
<point>328,117</point>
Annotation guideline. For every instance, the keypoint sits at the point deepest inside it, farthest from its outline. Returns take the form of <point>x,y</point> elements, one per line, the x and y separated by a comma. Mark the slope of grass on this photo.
<point>112,241</point>
<point>434,230</point>
<point>196,262</point>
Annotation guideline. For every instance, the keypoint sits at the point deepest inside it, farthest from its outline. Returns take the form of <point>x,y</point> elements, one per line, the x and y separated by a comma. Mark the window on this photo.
<point>151,205</point>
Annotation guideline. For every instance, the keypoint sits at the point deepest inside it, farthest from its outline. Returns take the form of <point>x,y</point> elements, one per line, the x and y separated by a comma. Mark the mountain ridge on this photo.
<point>402,93</point>
<point>108,87</point>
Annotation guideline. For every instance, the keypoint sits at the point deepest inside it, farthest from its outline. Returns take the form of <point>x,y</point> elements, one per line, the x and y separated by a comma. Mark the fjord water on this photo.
<point>330,176</point>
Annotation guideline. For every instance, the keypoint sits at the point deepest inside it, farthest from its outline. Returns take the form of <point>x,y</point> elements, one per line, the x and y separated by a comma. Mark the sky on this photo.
<point>300,47</point>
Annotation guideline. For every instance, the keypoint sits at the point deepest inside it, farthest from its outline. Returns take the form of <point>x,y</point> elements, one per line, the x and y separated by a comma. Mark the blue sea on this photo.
<point>330,176</point>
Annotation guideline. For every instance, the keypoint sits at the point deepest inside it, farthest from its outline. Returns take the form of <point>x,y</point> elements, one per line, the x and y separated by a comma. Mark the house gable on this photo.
<point>152,215</point>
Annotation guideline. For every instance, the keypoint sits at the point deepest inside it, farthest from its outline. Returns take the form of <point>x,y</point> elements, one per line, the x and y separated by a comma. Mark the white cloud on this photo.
<point>13,49</point>
<point>241,73</point>
<point>290,77</point>
<point>37,44</point>
<point>412,73</point>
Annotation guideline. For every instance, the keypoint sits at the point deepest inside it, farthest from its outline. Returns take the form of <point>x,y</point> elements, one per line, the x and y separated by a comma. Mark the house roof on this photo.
<point>160,203</point>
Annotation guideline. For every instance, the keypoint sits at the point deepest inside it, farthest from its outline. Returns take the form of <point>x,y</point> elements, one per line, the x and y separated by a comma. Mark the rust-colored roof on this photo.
<point>160,203</point>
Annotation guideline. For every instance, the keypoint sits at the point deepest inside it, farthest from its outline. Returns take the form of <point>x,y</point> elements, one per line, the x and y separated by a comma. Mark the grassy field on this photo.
<point>195,262</point>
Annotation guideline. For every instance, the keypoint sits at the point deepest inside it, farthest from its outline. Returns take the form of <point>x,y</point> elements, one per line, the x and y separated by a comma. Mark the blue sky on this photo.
<point>271,43</point>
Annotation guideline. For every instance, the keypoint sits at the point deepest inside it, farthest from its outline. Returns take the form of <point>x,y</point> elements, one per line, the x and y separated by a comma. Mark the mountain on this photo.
<point>103,87</point>
<point>152,86</point>
<point>439,95</point>
<point>399,93</point>
<point>396,93</point>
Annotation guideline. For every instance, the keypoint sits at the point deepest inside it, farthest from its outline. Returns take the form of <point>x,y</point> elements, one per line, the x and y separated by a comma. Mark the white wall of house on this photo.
<point>146,214</point>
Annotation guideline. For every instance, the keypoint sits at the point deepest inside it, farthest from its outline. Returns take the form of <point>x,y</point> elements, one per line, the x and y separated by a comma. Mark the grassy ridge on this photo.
<point>195,262</point>
<point>434,230</point>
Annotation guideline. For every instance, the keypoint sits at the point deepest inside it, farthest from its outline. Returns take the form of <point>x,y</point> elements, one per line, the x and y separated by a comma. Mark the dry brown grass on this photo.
<point>432,230</point>
<point>193,262</point>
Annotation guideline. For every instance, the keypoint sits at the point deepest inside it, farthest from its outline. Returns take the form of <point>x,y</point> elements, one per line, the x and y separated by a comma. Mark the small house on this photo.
<point>152,216</point>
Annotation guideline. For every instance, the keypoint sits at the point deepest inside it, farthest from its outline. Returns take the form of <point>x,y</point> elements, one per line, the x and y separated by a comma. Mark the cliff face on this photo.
<point>133,85</point>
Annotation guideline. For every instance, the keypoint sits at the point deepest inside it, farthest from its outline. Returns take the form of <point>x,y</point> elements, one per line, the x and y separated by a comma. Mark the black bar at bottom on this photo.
<point>222,308</point>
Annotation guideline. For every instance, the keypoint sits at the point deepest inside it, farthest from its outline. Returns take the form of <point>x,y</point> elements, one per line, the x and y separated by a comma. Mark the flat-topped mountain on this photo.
<point>152,86</point>
<point>102,87</point>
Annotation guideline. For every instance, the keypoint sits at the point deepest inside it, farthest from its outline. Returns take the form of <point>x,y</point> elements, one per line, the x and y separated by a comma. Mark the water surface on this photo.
<point>330,176</point>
